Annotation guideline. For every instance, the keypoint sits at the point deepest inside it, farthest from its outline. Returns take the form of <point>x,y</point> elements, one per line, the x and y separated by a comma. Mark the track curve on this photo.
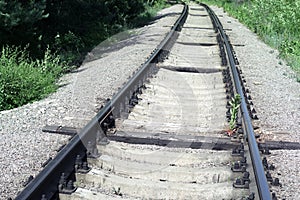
<point>185,96</point>
<point>162,135</point>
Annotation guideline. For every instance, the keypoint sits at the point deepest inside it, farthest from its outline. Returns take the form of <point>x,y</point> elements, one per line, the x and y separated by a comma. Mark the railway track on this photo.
<point>162,135</point>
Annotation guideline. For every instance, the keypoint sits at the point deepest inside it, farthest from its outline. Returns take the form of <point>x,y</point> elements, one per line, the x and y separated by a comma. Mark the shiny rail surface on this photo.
<point>45,184</point>
<point>261,181</point>
<point>58,175</point>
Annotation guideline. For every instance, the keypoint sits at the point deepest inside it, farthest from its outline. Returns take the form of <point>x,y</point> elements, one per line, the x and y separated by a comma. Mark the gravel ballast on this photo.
<point>276,98</point>
<point>24,147</point>
<point>275,93</point>
<point>273,86</point>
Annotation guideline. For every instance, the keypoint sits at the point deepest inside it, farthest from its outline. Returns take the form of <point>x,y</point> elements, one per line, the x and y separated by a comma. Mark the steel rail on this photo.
<point>45,184</point>
<point>260,176</point>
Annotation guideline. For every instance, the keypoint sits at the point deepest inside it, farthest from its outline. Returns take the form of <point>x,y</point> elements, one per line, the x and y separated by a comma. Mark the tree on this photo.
<point>18,21</point>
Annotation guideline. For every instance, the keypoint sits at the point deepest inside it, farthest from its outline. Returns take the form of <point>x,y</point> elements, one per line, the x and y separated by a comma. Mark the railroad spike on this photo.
<point>251,196</point>
<point>239,123</point>
<point>269,177</point>
<point>243,161</point>
<point>226,80</point>
<point>240,183</point>
<point>85,167</point>
<point>276,182</point>
<point>108,123</point>
<point>240,131</point>
<point>140,90</point>
<point>70,185</point>
<point>271,167</point>
<point>78,162</point>
<point>248,96</point>
<point>262,150</point>
<point>237,167</point>
<point>70,188</point>
<point>246,176</point>
<point>265,162</point>
<point>104,126</point>
<point>229,85</point>
<point>254,116</point>
<point>235,152</point>
<point>228,115</point>
<point>225,72</point>
<point>238,151</point>
<point>266,151</point>
<point>229,91</point>
<point>46,162</point>
<point>81,166</point>
<point>228,105</point>
<point>29,179</point>
<point>224,60</point>
<point>133,101</point>
<point>64,186</point>
<point>274,196</point>
<point>62,182</point>
<point>252,109</point>
<point>266,165</point>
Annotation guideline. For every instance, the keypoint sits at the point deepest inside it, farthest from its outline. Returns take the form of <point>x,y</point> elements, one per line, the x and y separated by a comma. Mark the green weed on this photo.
<point>117,191</point>
<point>69,47</point>
<point>235,104</point>
<point>23,80</point>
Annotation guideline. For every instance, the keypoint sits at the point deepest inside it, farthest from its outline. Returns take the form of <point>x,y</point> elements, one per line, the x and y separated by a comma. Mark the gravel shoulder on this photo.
<point>276,98</point>
<point>273,86</point>
<point>275,93</point>
<point>24,147</point>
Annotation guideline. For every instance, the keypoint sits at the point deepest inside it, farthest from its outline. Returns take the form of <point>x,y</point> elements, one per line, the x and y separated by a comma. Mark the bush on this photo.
<point>69,47</point>
<point>151,8</point>
<point>23,80</point>
<point>18,21</point>
<point>70,27</point>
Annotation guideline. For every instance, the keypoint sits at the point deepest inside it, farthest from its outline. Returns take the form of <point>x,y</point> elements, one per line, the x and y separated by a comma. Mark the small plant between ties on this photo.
<point>235,104</point>
<point>117,191</point>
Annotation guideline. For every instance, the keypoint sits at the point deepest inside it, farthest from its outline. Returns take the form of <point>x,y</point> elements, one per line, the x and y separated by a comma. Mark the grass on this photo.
<point>275,21</point>
<point>23,80</point>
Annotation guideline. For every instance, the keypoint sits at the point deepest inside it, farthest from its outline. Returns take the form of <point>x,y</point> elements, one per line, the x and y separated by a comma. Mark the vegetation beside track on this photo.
<point>275,21</point>
<point>41,40</point>
<point>24,80</point>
